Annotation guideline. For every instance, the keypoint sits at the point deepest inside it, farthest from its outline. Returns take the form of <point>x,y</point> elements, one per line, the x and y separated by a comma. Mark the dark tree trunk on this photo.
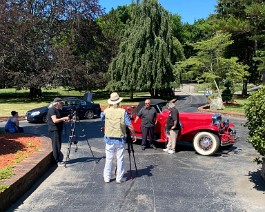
<point>35,92</point>
<point>244,89</point>
<point>152,92</point>
<point>131,94</point>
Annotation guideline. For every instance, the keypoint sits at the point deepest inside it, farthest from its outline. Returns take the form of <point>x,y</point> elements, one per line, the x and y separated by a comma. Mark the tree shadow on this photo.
<point>185,146</point>
<point>9,146</point>
<point>256,178</point>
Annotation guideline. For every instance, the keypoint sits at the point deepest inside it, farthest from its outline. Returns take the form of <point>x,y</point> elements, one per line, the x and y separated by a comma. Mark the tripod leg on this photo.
<point>129,151</point>
<point>134,158</point>
<point>68,152</point>
<point>84,136</point>
<point>90,149</point>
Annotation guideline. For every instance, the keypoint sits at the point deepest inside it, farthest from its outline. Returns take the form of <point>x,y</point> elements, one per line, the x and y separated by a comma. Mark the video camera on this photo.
<point>73,116</point>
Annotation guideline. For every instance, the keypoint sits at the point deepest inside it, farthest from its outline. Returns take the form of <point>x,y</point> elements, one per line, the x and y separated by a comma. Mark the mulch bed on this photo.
<point>14,147</point>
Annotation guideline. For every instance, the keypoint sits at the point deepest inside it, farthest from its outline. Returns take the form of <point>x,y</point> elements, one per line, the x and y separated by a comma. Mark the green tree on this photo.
<point>244,19</point>
<point>112,26</point>
<point>144,59</point>
<point>32,34</point>
<point>210,65</point>
<point>260,60</point>
<point>193,33</point>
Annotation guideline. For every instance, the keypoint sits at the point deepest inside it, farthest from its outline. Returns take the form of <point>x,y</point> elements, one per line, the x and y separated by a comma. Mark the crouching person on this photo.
<point>116,120</point>
<point>12,124</point>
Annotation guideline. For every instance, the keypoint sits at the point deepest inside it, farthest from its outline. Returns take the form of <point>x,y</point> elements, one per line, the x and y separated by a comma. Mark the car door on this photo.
<point>67,107</point>
<point>82,108</point>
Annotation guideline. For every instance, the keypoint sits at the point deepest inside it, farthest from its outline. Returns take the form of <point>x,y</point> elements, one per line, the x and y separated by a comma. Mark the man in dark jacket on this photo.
<point>55,127</point>
<point>149,120</point>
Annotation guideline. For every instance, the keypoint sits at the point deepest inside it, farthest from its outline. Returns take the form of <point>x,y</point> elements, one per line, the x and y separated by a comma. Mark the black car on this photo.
<point>84,109</point>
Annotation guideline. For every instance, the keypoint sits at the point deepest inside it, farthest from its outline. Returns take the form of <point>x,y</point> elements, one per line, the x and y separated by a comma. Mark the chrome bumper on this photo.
<point>231,138</point>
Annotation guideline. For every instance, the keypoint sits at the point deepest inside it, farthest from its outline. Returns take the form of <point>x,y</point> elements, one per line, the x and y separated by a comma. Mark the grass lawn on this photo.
<point>237,107</point>
<point>10,99</point>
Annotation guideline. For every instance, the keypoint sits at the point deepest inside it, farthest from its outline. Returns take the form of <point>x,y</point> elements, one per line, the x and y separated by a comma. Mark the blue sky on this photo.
<point>189,10</point>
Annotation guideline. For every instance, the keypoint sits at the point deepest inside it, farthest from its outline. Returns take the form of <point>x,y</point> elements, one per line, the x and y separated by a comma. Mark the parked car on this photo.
<point>207,131</point>
<point>84,109</point>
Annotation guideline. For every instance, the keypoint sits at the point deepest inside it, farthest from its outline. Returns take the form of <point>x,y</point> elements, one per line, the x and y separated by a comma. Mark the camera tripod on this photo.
<point>130,149</point>
<point>72,139</point>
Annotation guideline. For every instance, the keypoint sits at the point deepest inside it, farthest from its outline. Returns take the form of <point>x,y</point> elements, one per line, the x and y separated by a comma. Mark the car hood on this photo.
<point>44,108</point>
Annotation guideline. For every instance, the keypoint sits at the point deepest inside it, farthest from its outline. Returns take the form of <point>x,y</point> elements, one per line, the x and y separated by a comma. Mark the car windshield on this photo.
<point>158,104</point>
<point>162,106</point>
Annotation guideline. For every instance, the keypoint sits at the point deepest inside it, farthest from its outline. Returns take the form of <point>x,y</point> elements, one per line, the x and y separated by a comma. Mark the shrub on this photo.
<point>227,93</point>
<point>255,113</point>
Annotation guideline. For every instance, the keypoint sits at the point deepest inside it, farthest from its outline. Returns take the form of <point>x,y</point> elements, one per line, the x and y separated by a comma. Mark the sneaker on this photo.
<point>143,147</point>
<point>124,179</point>
<point>171,151</point>
<point>165,150</point>
<point>62,163</point>
<point>153,146</point>
<point>106,181</point>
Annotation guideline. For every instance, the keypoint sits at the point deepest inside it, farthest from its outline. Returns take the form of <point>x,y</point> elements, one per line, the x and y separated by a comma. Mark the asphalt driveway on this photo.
<point>185,181</point>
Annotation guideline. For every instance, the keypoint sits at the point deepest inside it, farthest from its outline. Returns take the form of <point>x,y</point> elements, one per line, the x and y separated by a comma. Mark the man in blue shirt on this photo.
<point>12,124</point>
<point>116,121</point>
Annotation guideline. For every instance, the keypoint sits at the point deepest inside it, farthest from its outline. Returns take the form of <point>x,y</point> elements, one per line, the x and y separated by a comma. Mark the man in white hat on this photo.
<point>116,121</point>
<point>172,127</point>
<point>55,127</point>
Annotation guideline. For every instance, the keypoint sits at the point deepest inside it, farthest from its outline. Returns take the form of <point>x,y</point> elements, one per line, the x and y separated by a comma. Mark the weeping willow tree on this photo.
<point>146,52</point>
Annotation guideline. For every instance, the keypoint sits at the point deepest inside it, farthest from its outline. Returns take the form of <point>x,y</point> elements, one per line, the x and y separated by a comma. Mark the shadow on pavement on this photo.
<point>255,177</point>
<point>141,172</point>
<point>71,162</point>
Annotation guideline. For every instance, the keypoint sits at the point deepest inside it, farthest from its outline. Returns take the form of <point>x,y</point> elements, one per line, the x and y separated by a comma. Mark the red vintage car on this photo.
<point>207,131</point>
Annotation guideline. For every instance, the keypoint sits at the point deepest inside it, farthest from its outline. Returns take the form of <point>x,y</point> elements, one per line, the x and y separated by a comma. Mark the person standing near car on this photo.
<point>172,127</point>
<point>55,127</point>
<point>149,120</point>
<point>116,121</point>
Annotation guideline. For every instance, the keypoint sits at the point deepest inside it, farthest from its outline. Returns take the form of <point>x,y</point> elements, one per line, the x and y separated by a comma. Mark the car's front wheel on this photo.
<point>89,114</point>
<point>206,143</point>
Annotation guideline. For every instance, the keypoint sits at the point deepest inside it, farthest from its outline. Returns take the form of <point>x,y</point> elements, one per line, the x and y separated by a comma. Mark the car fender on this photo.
<point>186,129</point>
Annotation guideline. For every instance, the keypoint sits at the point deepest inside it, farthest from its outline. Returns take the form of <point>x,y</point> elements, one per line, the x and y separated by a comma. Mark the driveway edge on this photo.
<point>27,172</point>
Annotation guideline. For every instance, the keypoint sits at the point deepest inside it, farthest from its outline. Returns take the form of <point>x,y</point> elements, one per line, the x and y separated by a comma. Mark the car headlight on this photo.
<point>35,113</point>
<point>216,119</point>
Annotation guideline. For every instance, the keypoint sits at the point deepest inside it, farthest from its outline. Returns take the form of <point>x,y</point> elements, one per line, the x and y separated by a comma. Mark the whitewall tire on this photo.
<point>206,143</point>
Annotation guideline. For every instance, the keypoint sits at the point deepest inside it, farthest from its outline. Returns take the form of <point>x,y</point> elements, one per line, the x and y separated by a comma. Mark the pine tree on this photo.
<point>244,19</point>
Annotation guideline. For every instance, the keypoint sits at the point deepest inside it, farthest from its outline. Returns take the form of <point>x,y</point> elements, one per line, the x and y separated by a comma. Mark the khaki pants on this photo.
<point>172,140</point>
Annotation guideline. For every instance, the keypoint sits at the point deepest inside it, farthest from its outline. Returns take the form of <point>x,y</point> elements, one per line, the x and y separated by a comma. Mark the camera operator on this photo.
<point>116,120</point>
<point>55,127</point>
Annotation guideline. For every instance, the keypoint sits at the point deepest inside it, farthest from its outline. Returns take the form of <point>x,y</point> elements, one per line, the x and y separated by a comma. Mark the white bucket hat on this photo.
<point>114,98</point>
